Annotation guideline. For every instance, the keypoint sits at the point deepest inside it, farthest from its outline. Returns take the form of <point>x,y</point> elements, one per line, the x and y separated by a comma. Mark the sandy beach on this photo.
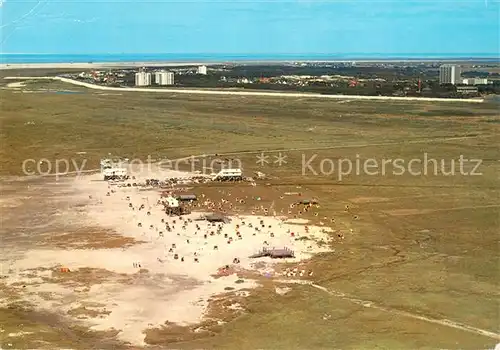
<point>173,273</point>
<point>92,65</point>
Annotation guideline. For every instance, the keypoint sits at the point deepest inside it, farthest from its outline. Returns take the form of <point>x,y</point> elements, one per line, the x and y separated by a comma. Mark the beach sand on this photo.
<point>145,286</point>
<point>88,65</point>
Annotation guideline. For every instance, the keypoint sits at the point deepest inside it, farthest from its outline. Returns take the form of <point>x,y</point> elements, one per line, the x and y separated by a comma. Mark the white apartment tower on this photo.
<point>202,70</point>
<point>449,74</point>
<point>142,79</point>
<point>164,78</point>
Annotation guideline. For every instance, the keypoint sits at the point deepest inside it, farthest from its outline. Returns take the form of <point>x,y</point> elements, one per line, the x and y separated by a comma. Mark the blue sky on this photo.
<point>250,27</point>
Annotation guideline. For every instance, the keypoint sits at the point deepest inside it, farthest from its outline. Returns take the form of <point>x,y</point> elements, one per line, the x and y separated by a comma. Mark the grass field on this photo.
<point>422,244</point>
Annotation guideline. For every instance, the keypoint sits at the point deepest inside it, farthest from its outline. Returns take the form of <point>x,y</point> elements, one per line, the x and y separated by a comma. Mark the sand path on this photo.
<point>370,304</point>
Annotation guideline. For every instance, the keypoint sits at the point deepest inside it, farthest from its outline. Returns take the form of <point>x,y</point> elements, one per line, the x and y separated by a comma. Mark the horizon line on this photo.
<point>254,54</point>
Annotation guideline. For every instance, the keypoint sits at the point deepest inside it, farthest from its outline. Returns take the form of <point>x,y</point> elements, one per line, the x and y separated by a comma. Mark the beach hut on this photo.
<point>274,253</point>
<point>172,207</point>
<point>228,175</point>
<point>217,218</point>
<point>187,198</point>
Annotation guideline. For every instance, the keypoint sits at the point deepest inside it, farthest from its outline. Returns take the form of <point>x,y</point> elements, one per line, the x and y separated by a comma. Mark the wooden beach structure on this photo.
<point>274,253</point>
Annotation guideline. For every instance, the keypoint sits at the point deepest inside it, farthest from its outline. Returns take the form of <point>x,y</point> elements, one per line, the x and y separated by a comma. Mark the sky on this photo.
<point>250,27</point>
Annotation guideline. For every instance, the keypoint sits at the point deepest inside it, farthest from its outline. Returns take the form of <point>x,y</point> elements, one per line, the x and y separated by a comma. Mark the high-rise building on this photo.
<point>449,74</point>
<point>164,78</point>
<point>142,79</point>
<point>202,70</point>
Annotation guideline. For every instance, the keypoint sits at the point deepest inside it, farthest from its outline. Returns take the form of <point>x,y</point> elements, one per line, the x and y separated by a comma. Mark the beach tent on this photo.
<point>187,197</point>
<point>216,218</point>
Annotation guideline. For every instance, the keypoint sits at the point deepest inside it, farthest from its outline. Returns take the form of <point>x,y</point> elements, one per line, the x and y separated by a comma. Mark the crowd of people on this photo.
<point>187,239</point>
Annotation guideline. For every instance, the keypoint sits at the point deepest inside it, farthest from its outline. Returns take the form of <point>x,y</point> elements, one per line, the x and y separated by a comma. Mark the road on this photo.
<point>250,93</point>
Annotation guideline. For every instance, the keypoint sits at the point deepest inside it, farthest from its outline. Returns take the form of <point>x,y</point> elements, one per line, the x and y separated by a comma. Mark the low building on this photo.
<point>202,70</point>
<point>113,170</point>
<point>114,174</point>
<point>228,175</point>
<point>475,81</point>
<point>164,78</point>
<point>171,202</point>
<point>172,207</point>
<point>467,90</point>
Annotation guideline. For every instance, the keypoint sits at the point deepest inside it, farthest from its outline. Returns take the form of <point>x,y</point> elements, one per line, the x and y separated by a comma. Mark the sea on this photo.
<point>13,58</point>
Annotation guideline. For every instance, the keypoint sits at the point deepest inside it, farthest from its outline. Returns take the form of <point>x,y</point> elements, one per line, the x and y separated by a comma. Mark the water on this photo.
<point>200,57</point>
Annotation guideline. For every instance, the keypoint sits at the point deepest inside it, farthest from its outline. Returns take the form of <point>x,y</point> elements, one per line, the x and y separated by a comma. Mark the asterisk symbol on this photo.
<point>262,159</point>
<point>280,159</point>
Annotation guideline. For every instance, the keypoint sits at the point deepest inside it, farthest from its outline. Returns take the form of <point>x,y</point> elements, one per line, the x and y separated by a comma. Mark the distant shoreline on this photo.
<point>79,61</point>
<point>135,64</point>
<point>97,65</point>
